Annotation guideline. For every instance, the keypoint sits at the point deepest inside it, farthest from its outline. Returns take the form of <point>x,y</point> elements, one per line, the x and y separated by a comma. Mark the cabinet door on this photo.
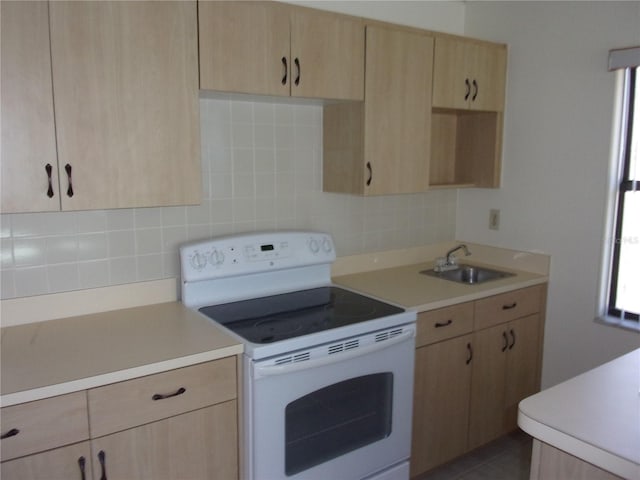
<point>488,65</point>
<point>125,78</point>
<point>327,56</point>
<point>397,111</point>
<point>451,75</point>
<point>441,403</point>
<point>522,365</point>
<point>66,463</point>
<point>127,404</point>
<point>43,424</point>
<point>244,47</point>
<point>28,131</point>
<point>486,417</point>
<point>195,445</point>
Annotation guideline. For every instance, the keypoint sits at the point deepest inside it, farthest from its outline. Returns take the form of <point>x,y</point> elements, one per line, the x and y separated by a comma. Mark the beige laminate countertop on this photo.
<point>594,416</point>
<point>45,359</point>
<point>406,286</point>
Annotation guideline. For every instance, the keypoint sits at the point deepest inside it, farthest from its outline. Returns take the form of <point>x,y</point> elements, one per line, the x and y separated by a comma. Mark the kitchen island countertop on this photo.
<point>594,416</point>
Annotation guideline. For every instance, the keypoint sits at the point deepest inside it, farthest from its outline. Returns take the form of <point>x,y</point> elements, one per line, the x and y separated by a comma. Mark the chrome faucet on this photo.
<point>449,255</point>
<point>448,262</point>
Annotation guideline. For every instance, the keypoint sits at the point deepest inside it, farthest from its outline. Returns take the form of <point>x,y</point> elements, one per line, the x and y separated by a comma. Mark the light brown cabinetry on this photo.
<point>28,149</point>
<point>125,90</point>
<point>442,386</point>
<point>60,463</point>
<point>177,424</point>
<point>468,75</point>
<point>269,48</point>
<point>550,462</point>
<point>474,363</point>
<point>46,426</point>
<point>507,344</point>
<point>382,146</point>
<point>468,101</point>
<point>198,444</point>
<point>504,373</point>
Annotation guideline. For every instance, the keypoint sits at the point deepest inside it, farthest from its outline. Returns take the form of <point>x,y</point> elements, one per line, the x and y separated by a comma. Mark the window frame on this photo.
<point>624,184</point>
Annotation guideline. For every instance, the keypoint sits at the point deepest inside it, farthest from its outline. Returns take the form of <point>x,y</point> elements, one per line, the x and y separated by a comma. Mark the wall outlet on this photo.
<point>494,219</point>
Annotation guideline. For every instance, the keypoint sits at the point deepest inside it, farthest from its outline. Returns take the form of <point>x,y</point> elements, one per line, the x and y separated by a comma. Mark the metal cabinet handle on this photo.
<point>509,307</point>
<point>285,70</point>
<point>468,92</point>
<point>159,396</point>
<point>11,433</point>
<point>82,463</point>
<point>49,169</point>
<point>297,63</point>
<point>513,338</point>
<point>475,90</point>
<point>370,170</point>
<point>444,324</point>
<point>103,466</point>
<point>470,351</point>
<point>506,342</point>
<point>67,168</point>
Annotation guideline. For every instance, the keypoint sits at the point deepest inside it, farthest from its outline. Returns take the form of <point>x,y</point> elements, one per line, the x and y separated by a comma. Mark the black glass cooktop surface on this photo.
<point>279,317</point>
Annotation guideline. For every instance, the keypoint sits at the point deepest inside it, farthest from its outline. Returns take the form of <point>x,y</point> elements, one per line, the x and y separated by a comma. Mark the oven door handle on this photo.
<point>271,370</point>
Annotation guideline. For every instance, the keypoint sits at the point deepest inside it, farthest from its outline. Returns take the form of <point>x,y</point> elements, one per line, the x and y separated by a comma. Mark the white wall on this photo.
<point>442,16</point>
<point>556,148</point>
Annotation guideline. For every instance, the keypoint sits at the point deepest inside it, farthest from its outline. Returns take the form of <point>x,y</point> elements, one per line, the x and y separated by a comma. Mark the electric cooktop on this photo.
<point>279,317</point>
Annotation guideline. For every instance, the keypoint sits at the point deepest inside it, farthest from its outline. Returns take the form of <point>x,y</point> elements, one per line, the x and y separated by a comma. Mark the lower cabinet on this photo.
<point>194,445</point>
<point>181,424</point>
<point>504,372</point>
<point>72,462</point>
<point>474,363</point>
<point>441,405</point>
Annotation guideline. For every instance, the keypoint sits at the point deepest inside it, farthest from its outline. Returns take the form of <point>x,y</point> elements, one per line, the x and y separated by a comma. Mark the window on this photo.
<point>623,300</point>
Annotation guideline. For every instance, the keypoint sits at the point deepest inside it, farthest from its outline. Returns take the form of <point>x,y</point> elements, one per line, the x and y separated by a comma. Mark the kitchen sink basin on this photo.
<point>469,274</point>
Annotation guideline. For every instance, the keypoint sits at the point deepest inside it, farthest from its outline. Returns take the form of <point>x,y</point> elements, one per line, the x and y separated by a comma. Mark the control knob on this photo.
<point>326,245</point>
<point>198,260</point>
<point>216,257</point>
<point>314,246</point>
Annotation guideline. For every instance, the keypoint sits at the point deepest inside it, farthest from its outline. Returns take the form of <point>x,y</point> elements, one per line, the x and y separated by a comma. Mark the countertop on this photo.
<point>54,357</point>
<point>406,286</point>
<point>594,416</point>
<point>70,341</point>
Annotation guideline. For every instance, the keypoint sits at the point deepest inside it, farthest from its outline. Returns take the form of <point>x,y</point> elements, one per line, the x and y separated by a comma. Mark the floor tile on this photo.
<point>507,458</point>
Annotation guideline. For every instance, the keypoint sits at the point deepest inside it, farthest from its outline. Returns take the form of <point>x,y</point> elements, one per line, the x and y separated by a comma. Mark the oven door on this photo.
<point>341,415</point>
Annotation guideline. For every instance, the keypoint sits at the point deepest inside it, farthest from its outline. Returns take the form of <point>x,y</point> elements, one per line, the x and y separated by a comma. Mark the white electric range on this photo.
<point>328,372</point>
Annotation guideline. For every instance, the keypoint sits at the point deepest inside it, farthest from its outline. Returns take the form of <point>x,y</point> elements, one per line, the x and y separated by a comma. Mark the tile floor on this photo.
<point>507,458</point>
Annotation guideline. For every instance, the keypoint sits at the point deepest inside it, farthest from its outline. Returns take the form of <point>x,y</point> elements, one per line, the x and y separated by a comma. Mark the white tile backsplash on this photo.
<point>262,169</point>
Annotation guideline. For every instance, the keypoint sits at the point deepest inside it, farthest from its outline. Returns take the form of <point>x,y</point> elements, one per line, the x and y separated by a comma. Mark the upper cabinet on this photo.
<point>125,90</point>
<point>468,101</point>
<point>126,96</point>
<point>382,146</point>
<point>270,48</point>
<point>28,152</point>
<point>469,75</point>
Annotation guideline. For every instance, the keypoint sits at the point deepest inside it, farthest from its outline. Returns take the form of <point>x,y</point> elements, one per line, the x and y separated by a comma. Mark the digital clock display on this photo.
<point>266,248</point>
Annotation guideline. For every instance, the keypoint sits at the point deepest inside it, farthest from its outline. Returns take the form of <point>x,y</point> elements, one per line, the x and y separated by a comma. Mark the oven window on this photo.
<point>337,419</point>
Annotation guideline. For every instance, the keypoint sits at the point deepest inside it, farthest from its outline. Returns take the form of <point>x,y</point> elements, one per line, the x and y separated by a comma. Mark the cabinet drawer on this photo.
<point>44,424</point>
<point>507,306</point>
<point>444,323</point>
<point>135,402</point>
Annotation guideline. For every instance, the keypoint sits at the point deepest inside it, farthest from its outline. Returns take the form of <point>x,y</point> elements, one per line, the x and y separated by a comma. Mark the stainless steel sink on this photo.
<point>469,274</point>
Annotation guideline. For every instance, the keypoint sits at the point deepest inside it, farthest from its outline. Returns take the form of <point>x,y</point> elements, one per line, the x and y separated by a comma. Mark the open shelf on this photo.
<point>466,148</point>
